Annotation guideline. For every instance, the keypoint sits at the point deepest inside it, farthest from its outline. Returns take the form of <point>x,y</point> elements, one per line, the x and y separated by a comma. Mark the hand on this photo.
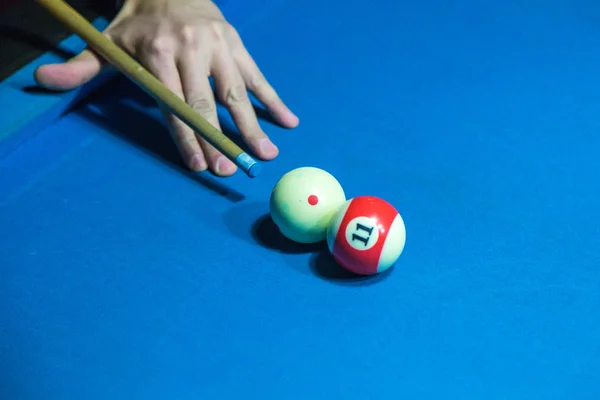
<point>183,43</point>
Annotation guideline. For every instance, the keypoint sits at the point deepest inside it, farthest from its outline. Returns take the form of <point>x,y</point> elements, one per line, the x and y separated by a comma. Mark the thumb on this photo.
<point>70,74</point>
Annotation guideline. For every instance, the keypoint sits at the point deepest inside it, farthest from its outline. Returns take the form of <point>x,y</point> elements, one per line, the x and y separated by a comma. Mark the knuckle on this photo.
<point>160,47</point>
<point>257,82</point>
<point>233,38</point>
<point>229,29</point>
<point>188,35</point>
<point>125,43</point>
<point>202,104</point>
<point>217,31</point>
<point>235,95</point>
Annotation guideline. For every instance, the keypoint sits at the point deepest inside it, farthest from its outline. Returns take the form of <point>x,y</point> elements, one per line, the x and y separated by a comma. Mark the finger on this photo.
<point>231,91</point>
<point>162,65</point>
<point>70,74</point>
<point>199,95</point>
<point>259,86</point>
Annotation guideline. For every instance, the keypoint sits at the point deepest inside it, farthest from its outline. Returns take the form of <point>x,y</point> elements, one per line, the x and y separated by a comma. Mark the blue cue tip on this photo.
<point>248,164</point>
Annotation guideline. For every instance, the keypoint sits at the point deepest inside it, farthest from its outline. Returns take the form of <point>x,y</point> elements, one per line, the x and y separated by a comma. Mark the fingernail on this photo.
<point>268,147</point>
<point>197,162</point>
<point>224,166</point>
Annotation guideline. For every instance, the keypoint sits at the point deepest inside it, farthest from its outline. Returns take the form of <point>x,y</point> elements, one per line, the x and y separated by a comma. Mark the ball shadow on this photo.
<point>133,117</point>
<point>267,234</point>
<point>250,222</point>
<point>325,267</point>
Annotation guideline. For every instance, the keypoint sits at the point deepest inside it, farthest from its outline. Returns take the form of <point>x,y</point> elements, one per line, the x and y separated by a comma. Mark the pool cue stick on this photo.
<point>140,76</point>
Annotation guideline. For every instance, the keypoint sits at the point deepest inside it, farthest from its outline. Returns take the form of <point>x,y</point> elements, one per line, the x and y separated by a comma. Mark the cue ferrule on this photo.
<point>248,165</point>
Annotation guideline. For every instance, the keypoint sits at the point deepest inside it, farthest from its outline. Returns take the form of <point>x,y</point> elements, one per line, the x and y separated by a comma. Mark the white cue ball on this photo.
<point>303,202</point>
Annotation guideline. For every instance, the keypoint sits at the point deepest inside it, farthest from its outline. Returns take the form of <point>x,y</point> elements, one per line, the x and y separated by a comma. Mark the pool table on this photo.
<point>125,276</point>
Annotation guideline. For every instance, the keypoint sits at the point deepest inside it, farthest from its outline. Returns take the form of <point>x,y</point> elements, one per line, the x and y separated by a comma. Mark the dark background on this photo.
<point>27,30</point>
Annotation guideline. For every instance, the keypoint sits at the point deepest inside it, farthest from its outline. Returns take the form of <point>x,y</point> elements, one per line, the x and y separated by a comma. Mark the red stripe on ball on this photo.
<point>364,262</point>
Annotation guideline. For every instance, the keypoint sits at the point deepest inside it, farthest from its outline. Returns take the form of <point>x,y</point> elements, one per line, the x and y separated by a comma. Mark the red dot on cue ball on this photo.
<point>313,200</point>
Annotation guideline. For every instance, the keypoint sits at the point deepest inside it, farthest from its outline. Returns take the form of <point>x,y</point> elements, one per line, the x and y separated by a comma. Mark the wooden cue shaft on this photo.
<point>139,75</point>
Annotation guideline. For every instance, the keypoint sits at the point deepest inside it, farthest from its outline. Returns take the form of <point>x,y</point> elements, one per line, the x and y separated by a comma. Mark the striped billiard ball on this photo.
<point>366,235</point>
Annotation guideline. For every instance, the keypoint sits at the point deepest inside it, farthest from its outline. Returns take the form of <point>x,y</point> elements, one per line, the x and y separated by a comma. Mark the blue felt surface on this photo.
<point>26,110</point>
<point>125,277</point>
